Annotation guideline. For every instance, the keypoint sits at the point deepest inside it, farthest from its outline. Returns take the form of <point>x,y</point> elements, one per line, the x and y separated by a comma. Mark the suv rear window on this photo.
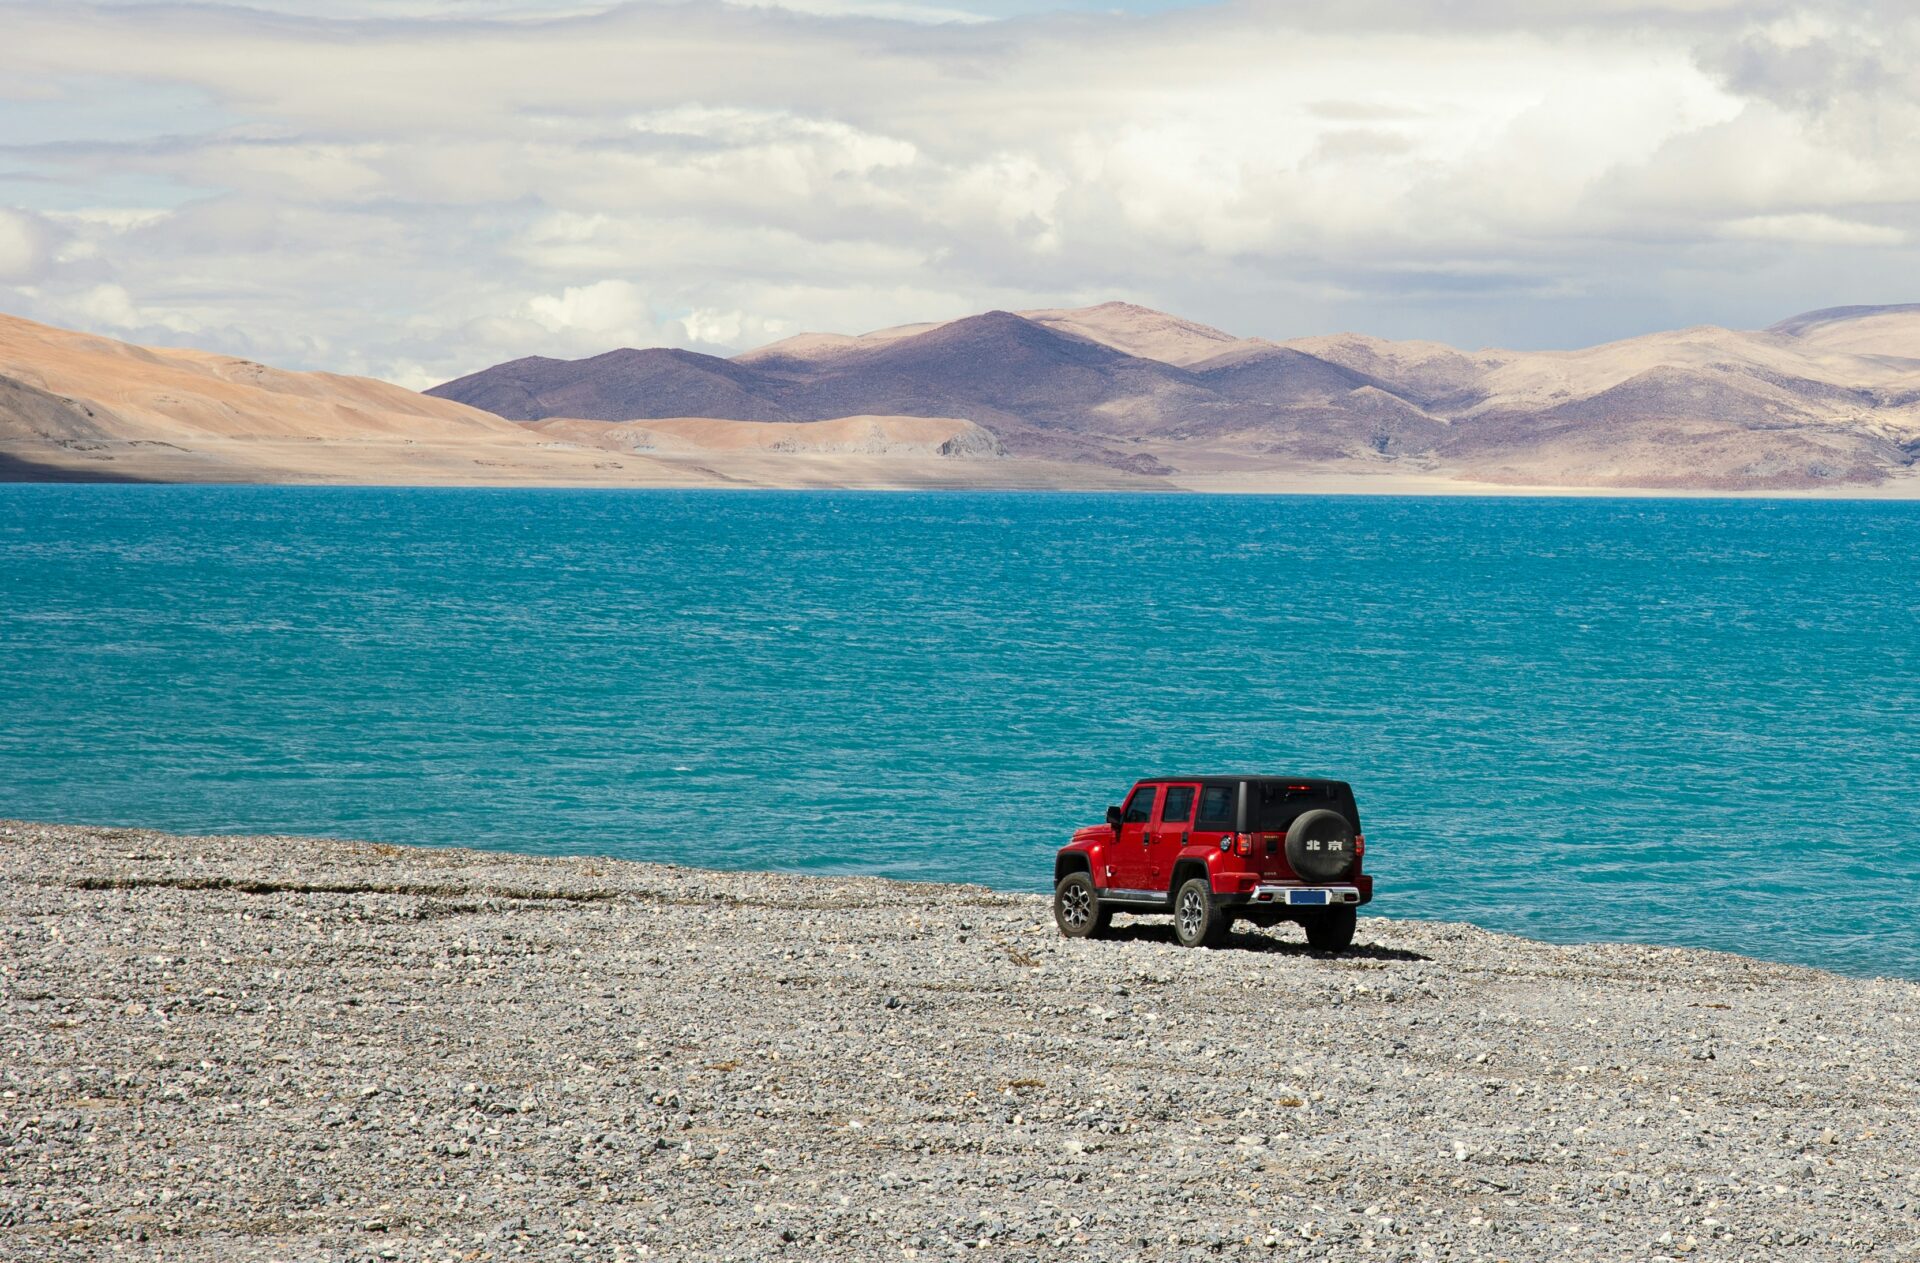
<point>1271,805</point>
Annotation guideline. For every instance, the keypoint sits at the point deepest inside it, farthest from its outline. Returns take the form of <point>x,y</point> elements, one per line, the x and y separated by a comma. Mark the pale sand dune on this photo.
<point>337,462</point>
<point>875,452</point>
<point>881,453</point>
<point>808,471</point>
<point>862,435</point>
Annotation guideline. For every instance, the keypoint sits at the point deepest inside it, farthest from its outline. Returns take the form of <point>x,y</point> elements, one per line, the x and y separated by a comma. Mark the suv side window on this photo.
<point>1178,809</point>
<point>1217,807</point>
<point>1140,806</point>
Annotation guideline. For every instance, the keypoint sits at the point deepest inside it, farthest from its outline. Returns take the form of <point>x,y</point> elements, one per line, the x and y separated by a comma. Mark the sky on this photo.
<point>416,189</point>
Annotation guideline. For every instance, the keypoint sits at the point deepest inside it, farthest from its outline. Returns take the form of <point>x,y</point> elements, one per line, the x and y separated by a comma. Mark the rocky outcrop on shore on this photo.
<point>288,1048</point>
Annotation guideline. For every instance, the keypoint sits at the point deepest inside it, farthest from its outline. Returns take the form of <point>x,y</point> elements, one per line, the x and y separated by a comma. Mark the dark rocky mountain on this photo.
<point>1832,396</point>
<point>1278,375</point>
<point>620,385</point>
<point>1044,391</point>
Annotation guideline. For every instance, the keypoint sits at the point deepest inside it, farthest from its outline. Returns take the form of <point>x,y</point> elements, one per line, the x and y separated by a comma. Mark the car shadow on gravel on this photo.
<point>1258,941</point>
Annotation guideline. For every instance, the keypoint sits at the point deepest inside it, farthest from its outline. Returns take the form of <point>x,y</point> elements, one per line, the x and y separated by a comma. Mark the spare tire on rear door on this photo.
<point>1320,846</point>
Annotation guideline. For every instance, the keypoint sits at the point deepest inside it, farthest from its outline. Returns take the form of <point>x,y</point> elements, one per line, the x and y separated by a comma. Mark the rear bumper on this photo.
<point>1293,895</point>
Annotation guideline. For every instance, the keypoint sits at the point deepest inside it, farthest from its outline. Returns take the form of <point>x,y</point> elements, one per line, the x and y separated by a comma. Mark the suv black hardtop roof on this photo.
<point>1315,782</point>
<point>1271,804</point>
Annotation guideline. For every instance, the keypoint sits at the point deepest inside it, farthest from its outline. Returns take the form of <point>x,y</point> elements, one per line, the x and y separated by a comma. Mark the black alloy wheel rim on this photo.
<point>1076,905</point>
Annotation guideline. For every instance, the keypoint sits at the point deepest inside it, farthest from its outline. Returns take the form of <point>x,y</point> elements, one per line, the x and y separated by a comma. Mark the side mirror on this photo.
<point>1113,816</point>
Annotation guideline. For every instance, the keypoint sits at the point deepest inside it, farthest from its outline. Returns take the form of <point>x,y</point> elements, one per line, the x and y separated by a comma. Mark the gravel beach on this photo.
<point>289,1048</point>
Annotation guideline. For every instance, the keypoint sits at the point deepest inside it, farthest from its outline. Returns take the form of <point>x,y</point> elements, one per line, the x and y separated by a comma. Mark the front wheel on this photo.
<point>1332,930</point>
<point>1196,921</point>
<point>1076,907</point>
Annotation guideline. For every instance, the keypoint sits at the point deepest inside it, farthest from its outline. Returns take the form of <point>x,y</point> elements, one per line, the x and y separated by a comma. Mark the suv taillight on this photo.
<point>1244,844</point>
<point>1359,845</point>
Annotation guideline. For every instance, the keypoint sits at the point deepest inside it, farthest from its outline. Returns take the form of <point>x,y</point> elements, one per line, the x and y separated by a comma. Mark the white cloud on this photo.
<point>111,307</point>
<point>1814,229</point>
<point>420,198</point>
<point>106,305</point>
<point>604,308</point>
<point>23,246</point>
<point>722,328</point>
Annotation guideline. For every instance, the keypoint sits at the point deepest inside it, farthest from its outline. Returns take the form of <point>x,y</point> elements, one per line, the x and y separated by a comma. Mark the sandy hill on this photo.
<point>78,407</point>
<point>133,392</point>
<point>74,406</point>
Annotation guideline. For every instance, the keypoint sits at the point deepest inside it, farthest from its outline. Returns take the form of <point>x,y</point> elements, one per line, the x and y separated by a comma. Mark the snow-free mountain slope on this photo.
<point>131,392</point>
<point>1890,333</point>
<point>1427,373</point>
<point>618,386</point>
<point>1103,396</point>
<point>1126,327</point>
<point>78,407</point>
<point>1141,331</point>
<point>1829,398</point>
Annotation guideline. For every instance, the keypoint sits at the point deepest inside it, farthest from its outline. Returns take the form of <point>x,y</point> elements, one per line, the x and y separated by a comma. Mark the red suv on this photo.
<point>1212,849</point>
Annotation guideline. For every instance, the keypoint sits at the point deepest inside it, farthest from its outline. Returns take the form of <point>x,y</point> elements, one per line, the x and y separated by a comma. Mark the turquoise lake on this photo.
<point>1684,722</point>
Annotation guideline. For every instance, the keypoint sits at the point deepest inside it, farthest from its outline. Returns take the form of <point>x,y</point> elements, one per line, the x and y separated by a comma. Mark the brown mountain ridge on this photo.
<point>74,407</point>
<point>1826,399</point>
<point>1108,396</point>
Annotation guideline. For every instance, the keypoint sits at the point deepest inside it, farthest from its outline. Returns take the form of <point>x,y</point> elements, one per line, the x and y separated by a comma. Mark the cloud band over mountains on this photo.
<point>413,191</point>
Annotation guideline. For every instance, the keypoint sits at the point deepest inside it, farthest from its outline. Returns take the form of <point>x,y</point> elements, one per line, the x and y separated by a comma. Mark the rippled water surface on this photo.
<point>1679,722</point>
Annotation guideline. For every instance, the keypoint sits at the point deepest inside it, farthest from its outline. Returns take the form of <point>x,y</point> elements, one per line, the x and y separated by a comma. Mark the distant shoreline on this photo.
<point>942,474</point>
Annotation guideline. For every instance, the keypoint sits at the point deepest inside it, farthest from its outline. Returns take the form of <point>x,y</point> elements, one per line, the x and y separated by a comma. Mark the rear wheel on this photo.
<point>1196,921</point>
<point>1332,930</point>
<point>1076,907</point>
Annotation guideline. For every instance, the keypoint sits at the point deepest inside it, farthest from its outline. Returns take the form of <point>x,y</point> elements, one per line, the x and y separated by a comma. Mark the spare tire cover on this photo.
<point>1320,846</point>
